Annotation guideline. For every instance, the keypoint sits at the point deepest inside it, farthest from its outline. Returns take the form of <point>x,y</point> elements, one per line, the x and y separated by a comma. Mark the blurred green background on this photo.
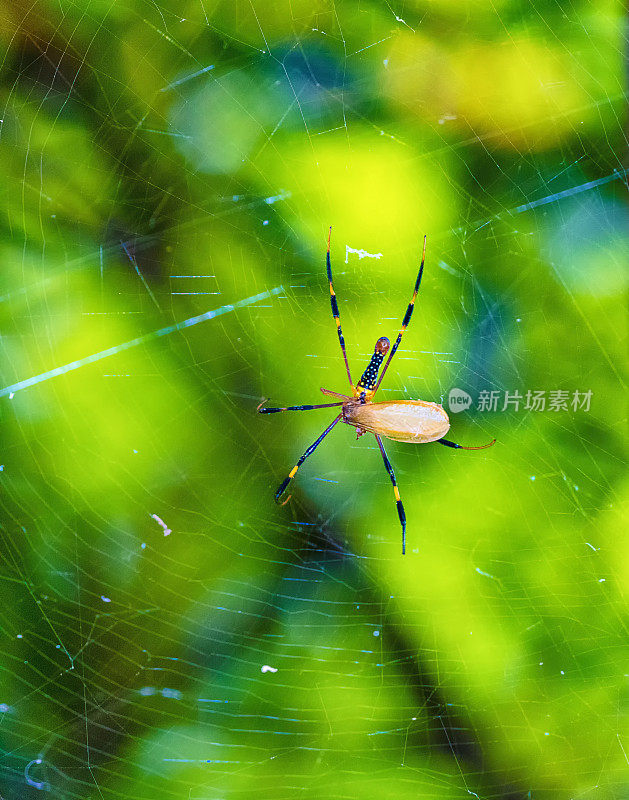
<point>167,631</point>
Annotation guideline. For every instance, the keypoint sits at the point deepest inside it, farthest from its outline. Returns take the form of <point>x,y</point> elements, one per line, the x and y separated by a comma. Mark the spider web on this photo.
<point>170,173</point>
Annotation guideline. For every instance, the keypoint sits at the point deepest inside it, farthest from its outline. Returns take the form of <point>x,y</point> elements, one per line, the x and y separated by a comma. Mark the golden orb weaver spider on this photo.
<point>414,421</point>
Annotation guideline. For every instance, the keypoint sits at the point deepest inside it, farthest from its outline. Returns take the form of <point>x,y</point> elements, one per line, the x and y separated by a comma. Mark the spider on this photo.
<point>413,421</point>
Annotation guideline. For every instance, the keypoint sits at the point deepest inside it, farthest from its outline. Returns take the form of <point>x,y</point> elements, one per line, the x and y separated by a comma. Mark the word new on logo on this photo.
<point>458,400</point>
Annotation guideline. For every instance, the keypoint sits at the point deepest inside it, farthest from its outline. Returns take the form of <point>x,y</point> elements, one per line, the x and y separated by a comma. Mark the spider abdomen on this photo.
<point>414,421</point>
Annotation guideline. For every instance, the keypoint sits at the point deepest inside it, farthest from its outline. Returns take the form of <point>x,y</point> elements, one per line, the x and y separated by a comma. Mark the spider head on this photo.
<point>382,345</point>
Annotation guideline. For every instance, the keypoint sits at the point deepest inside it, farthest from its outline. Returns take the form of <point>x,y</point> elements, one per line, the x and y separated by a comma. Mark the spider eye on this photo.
<point>382,345</point>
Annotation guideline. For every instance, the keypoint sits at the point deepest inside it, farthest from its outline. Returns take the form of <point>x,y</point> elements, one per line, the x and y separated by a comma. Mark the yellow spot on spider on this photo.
<point>291,474</point>
<point>396,492</point>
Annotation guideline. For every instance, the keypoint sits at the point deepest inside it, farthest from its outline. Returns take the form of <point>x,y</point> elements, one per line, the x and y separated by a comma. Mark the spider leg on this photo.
<point>309,451</point>
<point>463,447</point>
<point>398,502</point>
<point>335,394</point>
<point>335,312</point>
<point>407,318</point>
<point>261,410</point>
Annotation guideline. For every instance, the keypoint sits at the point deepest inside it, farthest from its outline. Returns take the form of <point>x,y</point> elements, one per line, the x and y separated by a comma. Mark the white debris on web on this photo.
<point>360,253</point>
<point>162,524</point>
<point>276,197</point>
